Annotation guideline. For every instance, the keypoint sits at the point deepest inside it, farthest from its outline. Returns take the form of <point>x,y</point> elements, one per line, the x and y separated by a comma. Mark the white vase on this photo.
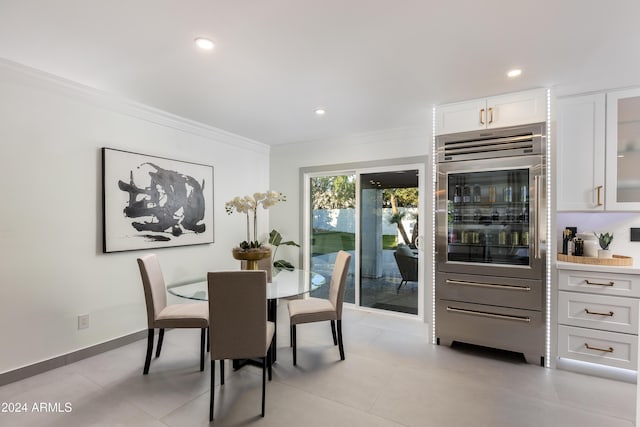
<point>604,253</point>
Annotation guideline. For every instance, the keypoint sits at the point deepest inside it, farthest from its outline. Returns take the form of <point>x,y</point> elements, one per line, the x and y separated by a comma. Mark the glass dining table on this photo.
<point>284,284</point>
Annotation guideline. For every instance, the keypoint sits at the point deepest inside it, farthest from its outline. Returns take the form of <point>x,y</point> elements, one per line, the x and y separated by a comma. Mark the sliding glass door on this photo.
<point>389,260</point>
<point>332,226</point>
<point>373,214</point>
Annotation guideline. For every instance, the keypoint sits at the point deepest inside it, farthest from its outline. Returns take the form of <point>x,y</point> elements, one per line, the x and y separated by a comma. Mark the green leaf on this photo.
<point>275,238</point>
<point>283,265</point>
<point>290,243</point>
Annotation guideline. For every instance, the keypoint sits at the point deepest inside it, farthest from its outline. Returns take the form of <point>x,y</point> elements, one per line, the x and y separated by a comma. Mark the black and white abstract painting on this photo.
<point>153,202</point>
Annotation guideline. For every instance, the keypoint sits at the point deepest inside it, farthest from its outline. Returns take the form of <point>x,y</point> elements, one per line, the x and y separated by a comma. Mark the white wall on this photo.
<point>52,268</point>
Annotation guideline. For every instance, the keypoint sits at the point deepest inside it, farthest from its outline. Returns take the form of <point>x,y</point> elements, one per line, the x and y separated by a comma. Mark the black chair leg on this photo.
<point>203,332</point>
<point>291,336</point>
<point>402,282</point>
<point>160,341</point>
<point>293,343</point>
<point>208,343</point>
<point>213,386</point>
<point>147,360</point>
<point>270,361</point>
<point>264,375</point>
<point>333,332</point>
<point>340,345</point>
<point>221,371</point>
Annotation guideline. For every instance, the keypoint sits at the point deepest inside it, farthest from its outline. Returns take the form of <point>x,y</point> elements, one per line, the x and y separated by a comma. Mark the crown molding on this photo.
<point>129,107</point>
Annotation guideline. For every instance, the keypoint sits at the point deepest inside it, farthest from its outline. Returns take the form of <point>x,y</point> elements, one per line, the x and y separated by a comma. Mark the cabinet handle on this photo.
<point>488,285</point>
<point>588,282</point>
<point>490,115</point>
<point>490,315</point>
<point>610,314</point>
<point>599,190</point>
<point>482,116</point>
<point>606,350</point>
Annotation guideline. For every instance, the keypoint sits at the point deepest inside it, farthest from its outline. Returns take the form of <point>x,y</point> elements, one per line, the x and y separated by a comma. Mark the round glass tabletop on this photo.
<point>284,284</point>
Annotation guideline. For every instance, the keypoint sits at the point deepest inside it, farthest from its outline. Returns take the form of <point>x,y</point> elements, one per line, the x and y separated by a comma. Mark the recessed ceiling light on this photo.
<point>320,111</point>
<point>514,73</point>
<point>204,43</point>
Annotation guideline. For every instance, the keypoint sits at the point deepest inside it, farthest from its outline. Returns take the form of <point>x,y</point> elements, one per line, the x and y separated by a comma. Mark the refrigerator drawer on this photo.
<point>598,312</point>
<point>496,291</point>
<point>505,328</point>
<point>605,348</point>
<point>627,285</point>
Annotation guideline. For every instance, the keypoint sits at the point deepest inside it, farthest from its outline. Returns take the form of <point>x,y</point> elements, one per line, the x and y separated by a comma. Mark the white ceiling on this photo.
<point>373,64</point>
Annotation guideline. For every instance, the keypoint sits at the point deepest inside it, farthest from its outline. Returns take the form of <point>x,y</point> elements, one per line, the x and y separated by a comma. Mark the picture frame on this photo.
<point>152,202</point>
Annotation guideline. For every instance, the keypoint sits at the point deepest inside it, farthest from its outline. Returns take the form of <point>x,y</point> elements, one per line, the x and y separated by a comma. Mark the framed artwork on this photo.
<point>151,202</point>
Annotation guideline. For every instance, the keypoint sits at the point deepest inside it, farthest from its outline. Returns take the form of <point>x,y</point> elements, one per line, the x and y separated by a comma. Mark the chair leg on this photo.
<point>147,360</point>
<point>402,282</point>
<point>291,336</point>
<point>221,371</point>
<point>270,361</point>
<point>213,386</point>
<point>203,332</point>
<point>293,343</point>
<point>208,343</point>
<point>340,345</point>
<point>160,341</point>
<point>333,332</point>
<point>264,375</point>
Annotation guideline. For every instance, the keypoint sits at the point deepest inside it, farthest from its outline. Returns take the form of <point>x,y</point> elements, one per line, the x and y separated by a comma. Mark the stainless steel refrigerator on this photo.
<point>491,239</point>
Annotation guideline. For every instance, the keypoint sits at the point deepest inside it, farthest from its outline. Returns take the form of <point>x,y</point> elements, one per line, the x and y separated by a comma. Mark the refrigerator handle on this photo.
<point>536,213</point>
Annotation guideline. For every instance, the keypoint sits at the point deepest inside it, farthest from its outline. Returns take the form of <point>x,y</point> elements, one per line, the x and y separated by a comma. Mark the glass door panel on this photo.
<point>333,227</point>
<point>388,238</point>
<point>489,217</point>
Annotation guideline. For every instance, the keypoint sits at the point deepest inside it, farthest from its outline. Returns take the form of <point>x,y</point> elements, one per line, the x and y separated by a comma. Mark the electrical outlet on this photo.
<point>83,321</point>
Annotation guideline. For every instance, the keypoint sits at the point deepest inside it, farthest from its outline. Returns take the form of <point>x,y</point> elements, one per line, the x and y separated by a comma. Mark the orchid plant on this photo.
<point>249,205</point>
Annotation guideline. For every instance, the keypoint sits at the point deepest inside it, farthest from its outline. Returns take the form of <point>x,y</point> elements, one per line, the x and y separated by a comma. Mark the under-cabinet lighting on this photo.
<point>320,111</point>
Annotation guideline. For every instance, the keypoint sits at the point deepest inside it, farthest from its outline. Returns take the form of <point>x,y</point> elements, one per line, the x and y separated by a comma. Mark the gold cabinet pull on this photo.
<point>599,191</point>
<point>482,116</point>
<point>609,314</point>
<point>606,350</point>
<point>588,282</point>
<point>490,115</point>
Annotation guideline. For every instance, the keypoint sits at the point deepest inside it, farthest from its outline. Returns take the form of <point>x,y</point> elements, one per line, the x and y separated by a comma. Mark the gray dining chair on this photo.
<point>160,315</point>
<point>318,309</point>
<point>239,327</point>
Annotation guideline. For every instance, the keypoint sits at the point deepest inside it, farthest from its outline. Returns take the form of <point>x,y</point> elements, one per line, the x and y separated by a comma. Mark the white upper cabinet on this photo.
<point>581,153</point>
<point>494,112</point>
<point>623,150</point>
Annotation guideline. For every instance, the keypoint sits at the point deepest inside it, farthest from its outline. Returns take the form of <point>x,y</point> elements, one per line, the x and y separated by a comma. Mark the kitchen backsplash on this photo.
<point>618,223</point>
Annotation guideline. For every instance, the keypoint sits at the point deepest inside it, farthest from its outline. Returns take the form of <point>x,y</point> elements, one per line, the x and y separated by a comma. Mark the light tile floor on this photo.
<point>391,377</point>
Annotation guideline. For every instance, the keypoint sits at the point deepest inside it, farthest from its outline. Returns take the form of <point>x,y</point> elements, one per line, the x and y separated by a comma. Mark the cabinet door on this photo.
<point>580,151</point>
<point>623,150</point>
<point>517,108</point>
<point>461,117</point>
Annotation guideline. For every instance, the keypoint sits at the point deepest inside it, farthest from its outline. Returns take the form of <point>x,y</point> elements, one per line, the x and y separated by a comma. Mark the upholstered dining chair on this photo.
<point>319,309</point>
<point>161,316</point>
<point>239,327</point>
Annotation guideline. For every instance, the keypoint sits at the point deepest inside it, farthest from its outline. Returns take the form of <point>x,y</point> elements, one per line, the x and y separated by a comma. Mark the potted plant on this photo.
<point>605,240</point>
<point>275,240</point>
